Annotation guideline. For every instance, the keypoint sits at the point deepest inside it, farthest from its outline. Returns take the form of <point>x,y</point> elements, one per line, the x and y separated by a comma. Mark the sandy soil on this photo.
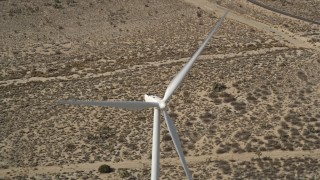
<point>249,107</point>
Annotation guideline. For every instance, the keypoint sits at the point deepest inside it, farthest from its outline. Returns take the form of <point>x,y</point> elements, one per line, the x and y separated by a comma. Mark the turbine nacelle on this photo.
<point>155,99</point>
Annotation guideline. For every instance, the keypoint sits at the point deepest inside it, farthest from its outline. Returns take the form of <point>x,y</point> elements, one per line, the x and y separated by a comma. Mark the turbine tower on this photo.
<point>159,105</point>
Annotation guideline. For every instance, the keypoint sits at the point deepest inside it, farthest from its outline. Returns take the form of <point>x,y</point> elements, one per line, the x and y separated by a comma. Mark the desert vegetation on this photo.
<point>249,107</point>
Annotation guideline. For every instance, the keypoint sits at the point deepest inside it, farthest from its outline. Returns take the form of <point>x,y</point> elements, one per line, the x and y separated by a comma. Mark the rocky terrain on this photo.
<point>249,107</point>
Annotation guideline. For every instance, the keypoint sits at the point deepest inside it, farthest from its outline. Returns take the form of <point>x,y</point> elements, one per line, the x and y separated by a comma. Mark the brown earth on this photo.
<point>249,107</point>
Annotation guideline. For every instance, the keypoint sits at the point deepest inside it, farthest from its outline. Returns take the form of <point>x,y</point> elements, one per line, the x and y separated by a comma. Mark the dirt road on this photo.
<point>139,164</point>
<point>293,40</point>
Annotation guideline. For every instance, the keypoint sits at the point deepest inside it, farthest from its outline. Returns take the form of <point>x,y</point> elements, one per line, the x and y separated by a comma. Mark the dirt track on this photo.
<point>282,12</point>
<point>293,39</point>
<point>148,64</point>
<point>138,164</point>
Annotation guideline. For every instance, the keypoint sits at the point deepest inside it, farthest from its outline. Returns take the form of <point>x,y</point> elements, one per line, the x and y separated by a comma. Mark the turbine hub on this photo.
<point>155,99</point>
<point>162,105</point>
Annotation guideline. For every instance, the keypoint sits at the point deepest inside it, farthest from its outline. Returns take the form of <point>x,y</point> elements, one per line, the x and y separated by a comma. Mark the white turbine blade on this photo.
<point>132,105</point>
<point>176,141</point>
<point>175,82</point>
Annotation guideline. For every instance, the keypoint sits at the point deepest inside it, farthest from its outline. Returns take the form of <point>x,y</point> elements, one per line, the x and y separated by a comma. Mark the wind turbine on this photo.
<point>159,105</point>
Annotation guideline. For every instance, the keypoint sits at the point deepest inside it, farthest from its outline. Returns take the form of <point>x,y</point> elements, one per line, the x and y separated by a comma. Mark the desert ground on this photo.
<point>248,109</point>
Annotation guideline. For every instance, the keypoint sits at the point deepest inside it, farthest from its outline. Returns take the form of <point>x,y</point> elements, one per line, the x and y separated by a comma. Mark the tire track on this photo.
<point>135,67</point>
<point>282,12</point>
<point>145,163</point>
<point>294,40</point>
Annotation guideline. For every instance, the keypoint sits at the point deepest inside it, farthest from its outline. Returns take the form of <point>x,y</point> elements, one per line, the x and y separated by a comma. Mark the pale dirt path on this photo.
<point>139,164</point>
<point>144,65</point>
<point>293,39</point>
